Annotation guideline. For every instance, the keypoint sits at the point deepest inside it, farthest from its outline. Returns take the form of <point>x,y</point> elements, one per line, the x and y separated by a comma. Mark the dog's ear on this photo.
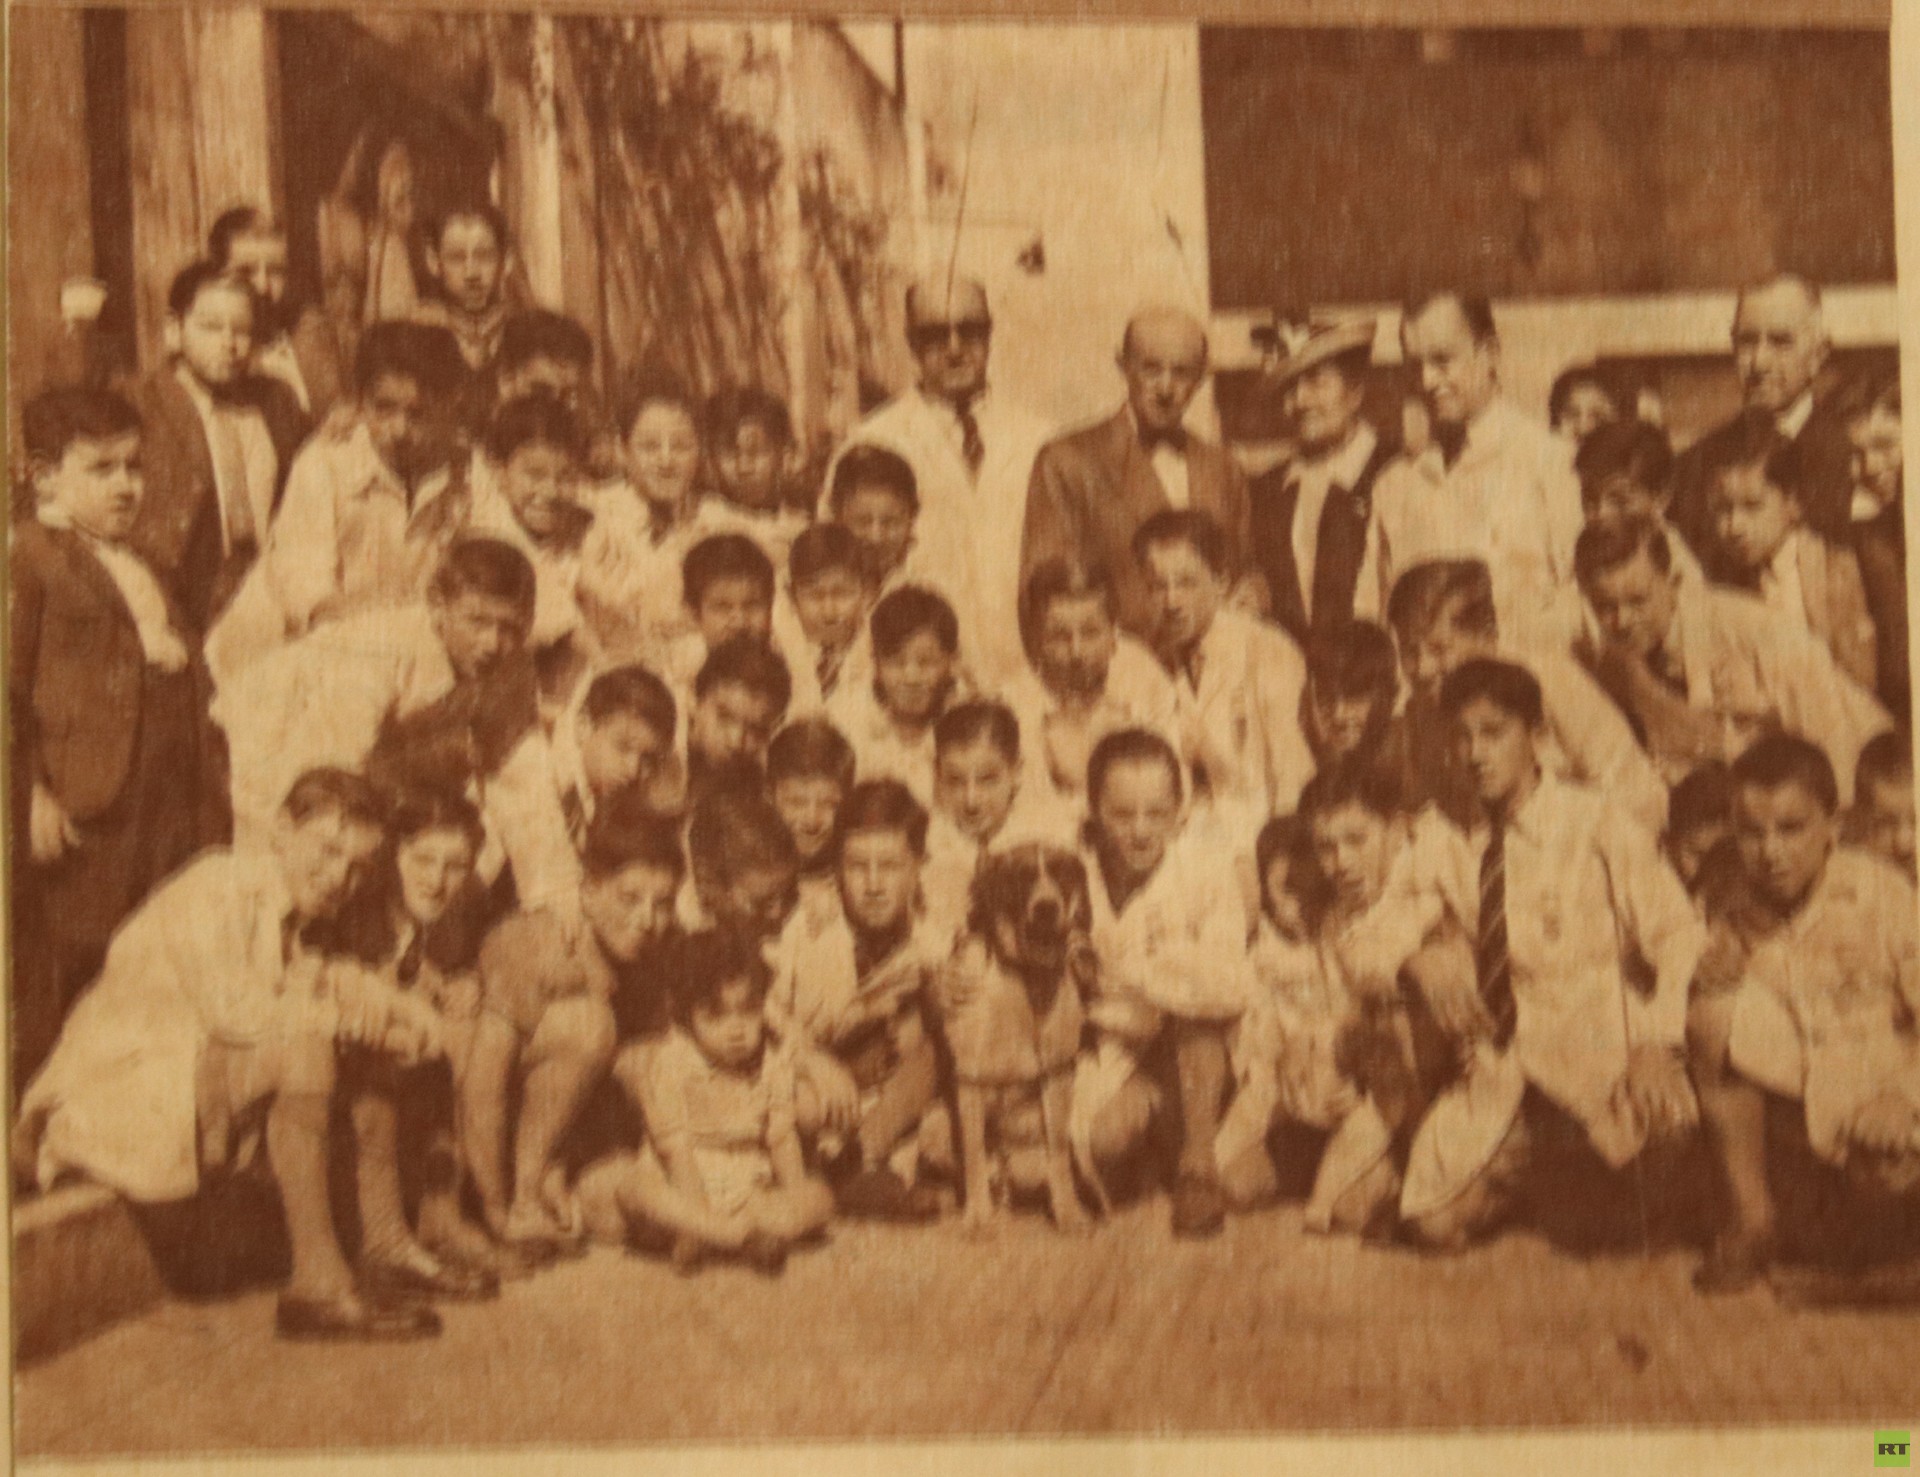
<point>988,901</point>
<point>1071,873</point>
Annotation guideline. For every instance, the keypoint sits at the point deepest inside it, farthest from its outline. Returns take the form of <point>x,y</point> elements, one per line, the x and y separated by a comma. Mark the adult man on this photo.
<point>1493,485</point>
<point>1703,670</point>
<point>1314,538</point>
<point>972,457</point>
<point>1779,350</point>
<point>468,256</point>
<point>294,343</point>
<point>1585,944</point>
<point>212,1020</point>
<point>218,441</point>
<point>1093,488</point>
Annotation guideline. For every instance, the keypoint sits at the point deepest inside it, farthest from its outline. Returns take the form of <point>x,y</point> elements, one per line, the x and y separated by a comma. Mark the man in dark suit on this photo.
<point>117,777</point>
<point>1093,488</point>
<point>1315,541</point>
<point>1880,531</point>
<point>297,344</point>
<point>1779,353</point>
<point>218,442</point>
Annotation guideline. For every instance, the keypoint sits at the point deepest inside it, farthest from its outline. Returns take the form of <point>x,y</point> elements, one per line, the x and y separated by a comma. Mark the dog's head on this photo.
<point>1032,907</point>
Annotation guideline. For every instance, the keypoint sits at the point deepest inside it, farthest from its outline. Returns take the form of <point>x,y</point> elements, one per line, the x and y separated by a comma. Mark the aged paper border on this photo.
<point>1593,1453</point>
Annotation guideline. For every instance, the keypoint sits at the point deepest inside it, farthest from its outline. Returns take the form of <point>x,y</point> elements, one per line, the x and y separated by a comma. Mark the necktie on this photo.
<point>1451,439</point>
<point>1342,543</point>
<point>575,810</point>
<point>1491,960</point>
<point>230,454</point>
<point>972,448</point>
<point>411,958</point>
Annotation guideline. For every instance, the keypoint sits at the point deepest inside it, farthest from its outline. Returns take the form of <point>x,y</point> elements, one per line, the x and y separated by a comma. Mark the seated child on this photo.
<point>889,721</point>
<point>727,582</point>
<point>738,700</point>
<point>849,997</point>
<point>820,620</point>
<point>751,446</point>
<point>721,1169</point>
<point>1882,817</point>
<point>1761,543</point>
<point>630,562</point>
<point>1171,935</point>
<point>547,1030</point>
<point>809,773</point>
<point>1808,991</point>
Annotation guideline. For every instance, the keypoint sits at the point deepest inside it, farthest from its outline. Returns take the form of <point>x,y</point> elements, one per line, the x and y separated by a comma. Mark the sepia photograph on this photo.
<point>806,729</point>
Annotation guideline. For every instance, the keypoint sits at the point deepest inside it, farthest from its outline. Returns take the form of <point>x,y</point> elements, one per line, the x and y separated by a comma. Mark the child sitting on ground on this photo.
<point>751,446</point>
<point>721,1170</point>
<point>890,720</point>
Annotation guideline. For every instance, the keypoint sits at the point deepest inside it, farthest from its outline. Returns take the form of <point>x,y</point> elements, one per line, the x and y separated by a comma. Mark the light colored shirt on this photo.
<point>1317,479</point>
<point>629,586</point>
<point>1169,465</point>
<point>257,463</point>
<point>1781,589</point>
<point>556,566</point>
<point>1180,942</point>
<point>1056,741</point>
<point>882,750</point>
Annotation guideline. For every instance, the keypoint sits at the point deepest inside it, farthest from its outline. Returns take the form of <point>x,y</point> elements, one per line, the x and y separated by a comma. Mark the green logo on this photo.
<point>1892,1449</point>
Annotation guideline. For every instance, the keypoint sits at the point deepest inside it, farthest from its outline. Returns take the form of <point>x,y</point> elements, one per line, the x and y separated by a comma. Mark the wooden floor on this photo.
<point>922,1333</point>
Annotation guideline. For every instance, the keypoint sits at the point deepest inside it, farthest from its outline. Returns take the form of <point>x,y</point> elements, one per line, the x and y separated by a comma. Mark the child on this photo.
<point>547,1031</point>
<point>1353,683</point>
<point>468,257</point>
<point>849,997</point>
<point>121,777</point>
<point>1700,825</point>
<point>1626,471</point>
<point>750,441</point>
<point>916,645</point>
<point>1171,936</point>
<point>630,562</point>
<point>744,871</point>
<point>875,498</point>
<point>1761,543</point>
<point>820,621</point>
<point>721,1169</point>
<point>1882,816</point>
<point>738,700</point>
<point>727,585</point>
<point>809,772</point>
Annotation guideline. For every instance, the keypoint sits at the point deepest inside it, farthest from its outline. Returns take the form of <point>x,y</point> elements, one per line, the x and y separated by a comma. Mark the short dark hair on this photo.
<point>484,211</point>
<point>723,556</point>
<point>1475,310</point>
<point>537,419</point>
<point>819,549</point>
<point>1351,781</point>
<point>1353,659</point>
<point>1874,392</point>
<point>1703,797</point>
<point>734,828</point>
<point>1629,449</point>
<point>1063,578</point>
<point>625,833</point>
<point>873,466</point>
<point>701,965</point>
<point>199,277</point>
<point>1189,526</point>
<point>1427,589</point>
<point>634,692</point>
<point>1569,380</point>
<point>1605,547</point>
<point>975,720</point>
<point>1885,759</point>
<point>746,405</point>
<point>54,419</point>
<point>422,808</point>
<point>1754,441</point>
<point>744,661</point>
<point>1282,836</point>
<point>883,805</point>
<point>541,333</point>
<point>904,613</point>
<point>1778,759</point>
<point>330,791</point>
<point>476,565</point>
<point>237,221</point>
<point>422,352</point>
<point>1507,685</point>
<point>1131,746</point>
<point>655,387</point>
<point>811,748</point>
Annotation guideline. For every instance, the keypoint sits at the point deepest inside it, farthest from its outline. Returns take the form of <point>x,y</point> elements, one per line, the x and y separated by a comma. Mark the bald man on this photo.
<point>1093,488</point>
<point>972,454</point>
<point>1780,352</point>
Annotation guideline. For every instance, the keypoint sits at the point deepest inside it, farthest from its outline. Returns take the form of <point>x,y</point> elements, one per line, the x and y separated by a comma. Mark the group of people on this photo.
<point>576,821</point>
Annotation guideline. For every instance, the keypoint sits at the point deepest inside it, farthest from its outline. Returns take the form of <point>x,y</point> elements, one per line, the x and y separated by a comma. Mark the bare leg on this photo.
<point>1063,1197</point>
<point>1250,1179</point>
<point>903,1101</point>
<point>297,1135</point>
<point>792,1212</point>
<point>643,1193</point>
<point>1734,1114</point>
<point>1200,1055</point>
<point>568,1054</point>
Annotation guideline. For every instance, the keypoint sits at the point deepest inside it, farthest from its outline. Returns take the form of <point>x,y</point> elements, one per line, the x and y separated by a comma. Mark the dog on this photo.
<point>1012,1012</point>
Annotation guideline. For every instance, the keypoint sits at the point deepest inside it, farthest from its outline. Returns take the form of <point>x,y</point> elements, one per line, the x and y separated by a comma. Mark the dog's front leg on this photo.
<point>977,1219</point>
<point>1056,1103</point>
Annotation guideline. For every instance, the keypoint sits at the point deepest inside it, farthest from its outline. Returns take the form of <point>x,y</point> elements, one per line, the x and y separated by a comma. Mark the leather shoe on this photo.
<point>1199,1206</point>
<point>881,1195</point>
<point>765,1254</point>
<point>352,1317</point>
<point>418,1273</point>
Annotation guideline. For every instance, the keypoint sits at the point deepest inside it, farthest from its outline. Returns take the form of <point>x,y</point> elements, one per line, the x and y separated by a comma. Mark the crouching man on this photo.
<point>1585,946</point>
<point>1809,990</point>
<point>214,1024</point>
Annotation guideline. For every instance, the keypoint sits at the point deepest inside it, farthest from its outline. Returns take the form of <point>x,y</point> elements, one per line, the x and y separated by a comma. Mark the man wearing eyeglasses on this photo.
<point>1094,488</point>
<point>972,456</point>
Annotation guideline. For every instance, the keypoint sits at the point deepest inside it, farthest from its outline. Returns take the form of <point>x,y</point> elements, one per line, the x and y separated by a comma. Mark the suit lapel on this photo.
<point>87,570</point>
<point>1282,569</point>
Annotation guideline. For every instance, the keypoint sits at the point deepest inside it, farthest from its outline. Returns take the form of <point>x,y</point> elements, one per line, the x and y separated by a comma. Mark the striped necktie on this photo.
<point>1492,963</point>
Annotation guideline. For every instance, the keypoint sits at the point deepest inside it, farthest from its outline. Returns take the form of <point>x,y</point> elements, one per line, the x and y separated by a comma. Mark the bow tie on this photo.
<point>1174,438</point>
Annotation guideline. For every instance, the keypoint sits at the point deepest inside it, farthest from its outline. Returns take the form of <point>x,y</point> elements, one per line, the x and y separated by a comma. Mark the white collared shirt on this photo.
<point>1316,480</point>
<point>1780,584</point>
<point>261,461</point>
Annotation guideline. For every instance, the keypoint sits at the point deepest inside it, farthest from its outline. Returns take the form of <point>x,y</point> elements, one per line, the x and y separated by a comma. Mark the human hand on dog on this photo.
<point>1886,1124</point>
<point>838,1093</point>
